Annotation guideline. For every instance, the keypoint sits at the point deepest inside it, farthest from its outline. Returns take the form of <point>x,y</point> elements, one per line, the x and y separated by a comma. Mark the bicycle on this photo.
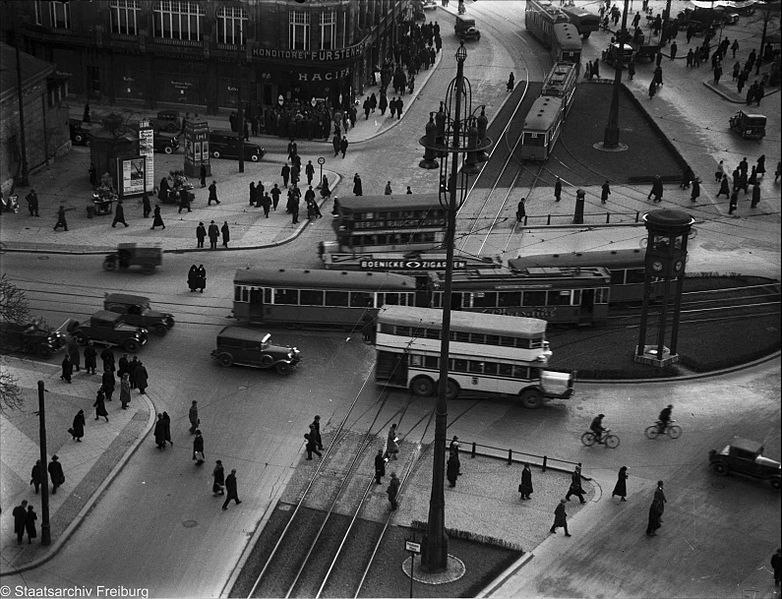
<point>674,431</point>
<point>611,441</point>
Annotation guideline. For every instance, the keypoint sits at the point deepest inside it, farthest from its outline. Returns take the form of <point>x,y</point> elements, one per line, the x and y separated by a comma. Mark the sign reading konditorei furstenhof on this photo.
<point>311,55</point>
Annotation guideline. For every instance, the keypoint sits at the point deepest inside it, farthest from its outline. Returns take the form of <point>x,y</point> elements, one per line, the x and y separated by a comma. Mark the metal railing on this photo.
<point>593,218</point>
<point>511,456</point>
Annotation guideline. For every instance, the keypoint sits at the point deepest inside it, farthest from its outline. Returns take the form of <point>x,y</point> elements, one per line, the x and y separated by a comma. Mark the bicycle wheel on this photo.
<point>651,432</point>
<point>675,431</point>
<point>612,441</point>
<point>588,439</point>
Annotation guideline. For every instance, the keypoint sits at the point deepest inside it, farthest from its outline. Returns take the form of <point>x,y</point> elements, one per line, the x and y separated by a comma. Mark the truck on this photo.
<point>137,311</point>
<point>744,456</point>
<point>32,338</point>
<point>108,328</point>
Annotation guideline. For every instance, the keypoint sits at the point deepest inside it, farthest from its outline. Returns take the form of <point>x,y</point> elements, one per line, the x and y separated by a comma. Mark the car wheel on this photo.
<point>131,345</point>
<point>267,360</point>
<point>225,359</point>
<point>168,150</point>
<point>255,158</point>
<point>160,330</point>
<point>78,138</point>
<point>721,469</point>
<point>283,368</point>
<point>110,265</point>
<point>531,399</point>
<point>422,386</point>
<point>215,153</point>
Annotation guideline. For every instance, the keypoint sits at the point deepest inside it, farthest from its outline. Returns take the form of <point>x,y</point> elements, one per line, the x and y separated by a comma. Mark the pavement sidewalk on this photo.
<point>89,466</point>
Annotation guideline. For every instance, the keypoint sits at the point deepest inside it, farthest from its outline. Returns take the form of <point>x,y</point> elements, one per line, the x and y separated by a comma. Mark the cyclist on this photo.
<point>664,419</point>
<point>597,428</point>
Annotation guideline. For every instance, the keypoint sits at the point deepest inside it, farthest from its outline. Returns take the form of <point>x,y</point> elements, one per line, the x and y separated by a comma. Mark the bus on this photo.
<point>561,83</point>
<point>560,295</point>
<point>542,127</point>
<point>583,20</point>
<point>304,298</point>
<point>488,354</point>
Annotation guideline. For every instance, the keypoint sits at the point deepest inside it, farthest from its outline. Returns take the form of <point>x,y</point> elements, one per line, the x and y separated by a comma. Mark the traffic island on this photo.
<point>453,572</point>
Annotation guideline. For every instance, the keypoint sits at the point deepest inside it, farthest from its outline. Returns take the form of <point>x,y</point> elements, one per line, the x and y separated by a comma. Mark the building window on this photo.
<point>299,30</point>
<point>124,16</point>
<point>231,24</point>
<point>60,13</point>
<point>38,15</point>
<point>328,30</point>
<point>178,20</point>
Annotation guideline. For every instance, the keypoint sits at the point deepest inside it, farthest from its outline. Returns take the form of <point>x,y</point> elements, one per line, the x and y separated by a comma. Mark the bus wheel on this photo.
<point>422,386</point>
<point>451,389</point>
<point>531,399</point>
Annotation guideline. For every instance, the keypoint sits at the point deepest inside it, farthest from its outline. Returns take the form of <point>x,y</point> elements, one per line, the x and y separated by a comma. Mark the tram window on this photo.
<point>536,342</point>
<point>634,275</point>
<point>238,294</point>
<point>601,295</point>
<point>337,298</point>
<point>560,298</point>
<point>509,298</point>
<point>388,298</point>
<point>311,297</point>
<point>508,341</point>
<point>534,139</point>
<point>360,299</point>
<point>459,365</point>
<point>505,370</point>
<point>576,297</point>
<point>492,340</point>
<point>534,298</point>
<point>618,277</point>
<point>403,331</point>
<point>288,297</point>
<point>387,328</point>
<point>267,295</point>
<point>475,367</point>
<point>523,343</point>
<point>534,373</point>
<point>484,300</point>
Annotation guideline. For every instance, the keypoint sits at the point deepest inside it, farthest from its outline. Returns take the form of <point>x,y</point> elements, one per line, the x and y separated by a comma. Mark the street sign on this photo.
<point>422,264</point>
<point>412,546</point>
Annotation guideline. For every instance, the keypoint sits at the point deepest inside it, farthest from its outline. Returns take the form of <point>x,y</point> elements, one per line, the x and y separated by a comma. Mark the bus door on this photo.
<point>391,367</point>
<point>586,314</point>
<point>256,305</point>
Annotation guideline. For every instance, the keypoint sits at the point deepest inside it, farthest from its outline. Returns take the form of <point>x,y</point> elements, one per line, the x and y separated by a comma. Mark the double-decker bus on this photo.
<point>488,353</point>
<point>584,21</point>
<point>305,298</point>
<point>559,295</point>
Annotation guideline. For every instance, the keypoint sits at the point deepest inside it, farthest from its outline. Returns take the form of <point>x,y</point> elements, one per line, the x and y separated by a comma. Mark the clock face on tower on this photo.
<point>657,266</point>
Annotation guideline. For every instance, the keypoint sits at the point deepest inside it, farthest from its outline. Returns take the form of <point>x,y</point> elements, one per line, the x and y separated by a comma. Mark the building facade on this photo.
<point>206,53</point>
<point>40,129</point>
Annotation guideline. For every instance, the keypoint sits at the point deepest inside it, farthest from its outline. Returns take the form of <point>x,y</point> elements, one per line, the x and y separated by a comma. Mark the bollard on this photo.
<point>525,220</point>
<point>510,457</point>
<point>608,217</point>
<point>637,216</point>
<point>545,459</point>
<point>472,453</point>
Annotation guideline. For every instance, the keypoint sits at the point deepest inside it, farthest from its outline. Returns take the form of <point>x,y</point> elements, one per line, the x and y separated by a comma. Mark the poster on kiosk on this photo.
<point>197,148</point>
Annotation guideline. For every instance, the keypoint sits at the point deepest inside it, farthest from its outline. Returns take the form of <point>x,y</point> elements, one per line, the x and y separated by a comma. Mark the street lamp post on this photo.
<point>611,134</point>
<point>456,116</point>
<point>46,535</point>
<point>240,115</point>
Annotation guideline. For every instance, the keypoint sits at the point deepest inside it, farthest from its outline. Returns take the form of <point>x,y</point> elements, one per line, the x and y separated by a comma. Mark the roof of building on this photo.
<point>33,69</point>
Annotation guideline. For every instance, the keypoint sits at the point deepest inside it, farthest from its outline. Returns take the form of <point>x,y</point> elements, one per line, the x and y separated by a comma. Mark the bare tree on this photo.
<point>13,303</point>
<point>10,393</point>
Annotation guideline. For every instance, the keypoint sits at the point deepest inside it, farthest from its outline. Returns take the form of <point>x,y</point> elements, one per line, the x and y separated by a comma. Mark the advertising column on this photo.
<point>197,148</point>
<point>146,148</point>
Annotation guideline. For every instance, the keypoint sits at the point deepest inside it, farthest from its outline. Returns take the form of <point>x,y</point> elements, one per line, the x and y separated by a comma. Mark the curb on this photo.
<point>55,548</point>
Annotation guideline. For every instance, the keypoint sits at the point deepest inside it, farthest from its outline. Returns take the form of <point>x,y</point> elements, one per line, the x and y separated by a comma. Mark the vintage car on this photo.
<point>743,456</point>
<point>32,338</point>
<point>81,132</point>
<point>167,121</point>
<point>249,347</point>
<point>165,143</point>
<point>108,328</point>
<point>749,126</point>
<point>137,312</point>
<point>130,254</point>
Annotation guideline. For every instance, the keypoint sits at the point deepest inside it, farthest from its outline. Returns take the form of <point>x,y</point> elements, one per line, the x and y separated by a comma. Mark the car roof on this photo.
<point>126,298</point>
<point>242,333</point>
<point>106,315</point>
<point>745,444</point>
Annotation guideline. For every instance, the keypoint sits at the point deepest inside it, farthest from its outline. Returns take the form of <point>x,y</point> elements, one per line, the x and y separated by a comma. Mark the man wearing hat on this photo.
<point>56,473</point>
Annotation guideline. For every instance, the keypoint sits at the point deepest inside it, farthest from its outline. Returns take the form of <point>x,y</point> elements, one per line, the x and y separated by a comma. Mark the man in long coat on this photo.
<point>56,473</point>
<point>226,233</point>
<point>119,215</point>
<point>107,357</point>
<point>76,430</point>
<point>560,518</point>
<point>525,488</point>
<point>393,490</point>
<point>67,369</point>
<point>90,358</point>
<point>231,491</point>
<point>575,485</point>
<point>357,187</point>
<point>108,383</point>
<point>214,235</point>
<point>200,234</point>
<point>20,517</point>
<point>380,466</point>
<point>142,378</point>
<point>37,476</point>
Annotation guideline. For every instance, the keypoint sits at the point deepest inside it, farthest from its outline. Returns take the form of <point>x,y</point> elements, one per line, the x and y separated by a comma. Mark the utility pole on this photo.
<point>46,534</point>
<point>239,97</point>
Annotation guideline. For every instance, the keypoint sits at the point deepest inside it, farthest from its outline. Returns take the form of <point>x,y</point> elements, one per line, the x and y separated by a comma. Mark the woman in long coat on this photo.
<point>108,383</point>
<point>218,475</point>
<point>73,353</point>
<point>29,524</point>
<point>525,488</point>
<point>77,428</point>
<point>392,446</point>
<point>160,432</point>
<point>452,470</point>
<point>90,358</point>
<point>100,405</point>
<point>167,428</point>
<point>67,369</point>
<point>157,220</point>
<point>192,278</point>
<point>621,484</point>
<point>201,279</point>
<point>124,390</point>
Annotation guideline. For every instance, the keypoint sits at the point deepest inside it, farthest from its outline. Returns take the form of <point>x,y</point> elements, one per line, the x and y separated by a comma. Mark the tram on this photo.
<point>566,46</point>
<point>561,83</point>
<point>542,127</point>
<point>559,295</point>
<point>540,16</point>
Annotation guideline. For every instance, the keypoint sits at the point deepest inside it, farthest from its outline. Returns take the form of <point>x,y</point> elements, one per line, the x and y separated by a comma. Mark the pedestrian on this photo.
<point>655,519</point>
<point>142,378</point>
<point>558,190</point>
<point>201,278</point>
<point>357,187</point>
<point>380,459</point>
<point>324,187</point>
<point>200,235</point>
<point>61,222</point>
<point>160,432</point>
<point>724,187</point>
<point>312,445</point>
<point>755,196</point>
<point>560,518</point>
<point>743,165</point>
<point>192,415</point>
<point>761,167</point>
<point>315,431</point>
<point>119,215</point>
<point>674,49</point>
<point>37,475</point>
<point>67,368</point>
<point>166,419</point>
<point>202,175</point>
<point>575,485</point>
<point>453,449</point>
<point>659,496</point>
<point>157,220</point>
<point>230,486</point>
<point>392,443</point>
<point>620,489</point>
<point>734,201</point>
<point>696,189</point>
<point>382,103</point>
<point>452,470</point>
<point>276,191</point>
<point>32,203</point>
<point>309,170</point>
<point>56,474</point>
<point>214,234</point>
<point>77,429</point>
<point>596,69</point>
<point>198,444</point>
<point>776,566</point>
<point>387,191</point>
<point>20,518</point>
<point>100,405</point>
<point>218,479</point>
<point>124,390</point>
<point>511,82</point>
<point>184,201</point>
<point>393,490</point>
<point>521,211</point>
<point>225,233</point>
<point>399,105</point>
<point>717,74</point>
<point>751,180</point>
<point>192,278</point>
<point>525,486</point>
<point>720,172</point>
<point>652,89</point>
<point>657,189</point>
<point>343,145</point>
<point>605,192</point>
<point>29,524</point>
<point>734,47</point>
<point>285,172</point>
<point>212,194</point>
<point>90,358</point>
<point>107,358</point>
<point>145,205</point>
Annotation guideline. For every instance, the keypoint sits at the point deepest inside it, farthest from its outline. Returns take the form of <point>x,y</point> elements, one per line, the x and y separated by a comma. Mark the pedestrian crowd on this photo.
<point>740,179</point>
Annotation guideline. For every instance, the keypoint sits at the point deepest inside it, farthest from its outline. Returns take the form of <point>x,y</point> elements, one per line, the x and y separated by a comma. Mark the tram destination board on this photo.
<point>402,264</point>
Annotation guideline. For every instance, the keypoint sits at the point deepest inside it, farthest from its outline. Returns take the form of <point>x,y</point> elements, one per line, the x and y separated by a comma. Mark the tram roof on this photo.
<point>496,324</point>
<point>607,258</point>
<point>567,36</point>
<point>543,113</point>
<point>325,279</point>
<point>531,277</point>
<point>392,202</point>
<point>554,84</point>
